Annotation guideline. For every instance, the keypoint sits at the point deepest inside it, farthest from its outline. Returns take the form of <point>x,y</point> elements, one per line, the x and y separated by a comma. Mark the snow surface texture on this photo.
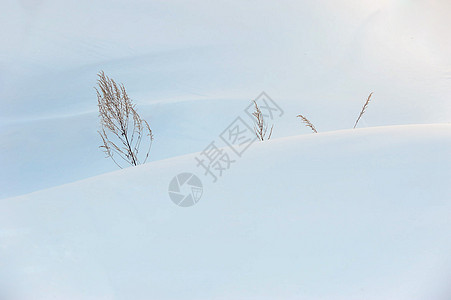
<point>355,214</point>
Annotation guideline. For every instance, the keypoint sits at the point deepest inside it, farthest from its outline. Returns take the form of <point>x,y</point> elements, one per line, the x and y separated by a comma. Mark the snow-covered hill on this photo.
<point>353,214</point>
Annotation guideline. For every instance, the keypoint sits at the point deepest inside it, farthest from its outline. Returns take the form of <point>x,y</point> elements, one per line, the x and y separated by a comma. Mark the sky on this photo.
<point>182,49</point>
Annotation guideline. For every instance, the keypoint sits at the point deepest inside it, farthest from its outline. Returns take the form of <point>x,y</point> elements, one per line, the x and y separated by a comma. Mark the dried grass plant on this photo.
<point>307,123</point>
<point>363,109</point>
<point>260,126</point>
<point>123,131</point>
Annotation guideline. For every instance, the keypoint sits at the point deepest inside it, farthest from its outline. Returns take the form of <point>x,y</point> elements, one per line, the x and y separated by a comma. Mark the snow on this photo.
<point>343,214</point>
<point>352,214</point>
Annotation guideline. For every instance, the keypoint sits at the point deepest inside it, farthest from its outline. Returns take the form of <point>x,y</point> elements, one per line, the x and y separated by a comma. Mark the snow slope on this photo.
<point>353,214</point>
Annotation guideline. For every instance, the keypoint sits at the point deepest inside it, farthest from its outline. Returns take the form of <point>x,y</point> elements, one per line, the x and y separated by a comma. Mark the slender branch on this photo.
<point>270,132</point>
<point>363,109</point>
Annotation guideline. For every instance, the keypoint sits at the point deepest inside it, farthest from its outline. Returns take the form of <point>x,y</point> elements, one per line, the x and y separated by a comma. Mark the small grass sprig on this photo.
<point>307,123</point>
<point>260,126</point>
<point>363,109</point>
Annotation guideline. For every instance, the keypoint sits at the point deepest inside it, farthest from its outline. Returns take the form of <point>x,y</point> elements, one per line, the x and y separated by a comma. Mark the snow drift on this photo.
<point>354,214</point>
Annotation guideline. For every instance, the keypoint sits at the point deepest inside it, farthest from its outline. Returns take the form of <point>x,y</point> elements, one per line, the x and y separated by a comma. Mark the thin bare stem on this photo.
<point>363,109</point>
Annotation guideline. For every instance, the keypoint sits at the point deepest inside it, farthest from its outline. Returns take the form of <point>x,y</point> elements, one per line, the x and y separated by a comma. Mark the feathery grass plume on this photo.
<point>363,109</point>
<point>260,126</point>
<point>307,123</point>
<point>123,130</point>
